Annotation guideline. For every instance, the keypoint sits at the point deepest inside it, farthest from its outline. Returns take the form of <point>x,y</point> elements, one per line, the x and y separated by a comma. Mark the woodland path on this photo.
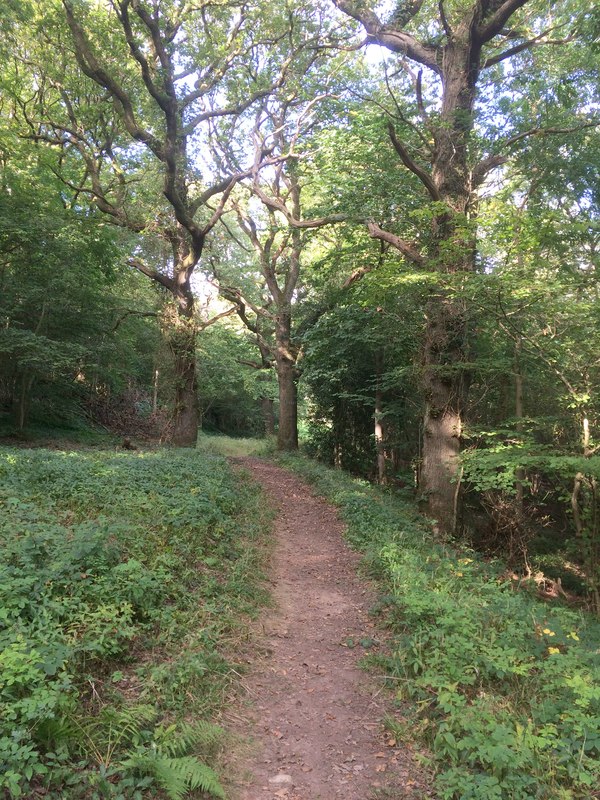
<point>316,716</point>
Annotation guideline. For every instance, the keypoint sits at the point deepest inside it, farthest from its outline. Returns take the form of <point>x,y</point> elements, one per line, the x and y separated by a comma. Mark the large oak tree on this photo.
<point>445,52</point>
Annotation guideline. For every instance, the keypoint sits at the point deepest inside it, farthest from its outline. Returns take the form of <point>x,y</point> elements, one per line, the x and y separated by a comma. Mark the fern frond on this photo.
<point>197,775</point>
<point>172,776</point>
<point>113,729</point>
<point>200,776</point>
<point>177,742</point>
<point>177,776</point>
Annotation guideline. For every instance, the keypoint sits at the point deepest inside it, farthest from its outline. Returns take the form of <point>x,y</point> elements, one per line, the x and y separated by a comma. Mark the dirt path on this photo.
<point>316,715</point>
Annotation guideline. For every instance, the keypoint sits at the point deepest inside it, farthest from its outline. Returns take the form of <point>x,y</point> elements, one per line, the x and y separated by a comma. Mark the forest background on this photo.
<point>208,210</point>
<point>375,223</point>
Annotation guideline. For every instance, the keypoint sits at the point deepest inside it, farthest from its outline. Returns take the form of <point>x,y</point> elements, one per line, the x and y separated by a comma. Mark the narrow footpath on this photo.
<point>315,717</point>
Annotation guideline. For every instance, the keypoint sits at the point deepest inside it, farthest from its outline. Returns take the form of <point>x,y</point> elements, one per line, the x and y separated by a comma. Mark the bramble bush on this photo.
<point>120,577</point>
<point>504,688</point>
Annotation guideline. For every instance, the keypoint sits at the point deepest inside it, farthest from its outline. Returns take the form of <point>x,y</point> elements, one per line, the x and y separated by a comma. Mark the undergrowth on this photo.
<point>234,447</point>
<point>503,689</point>
<point>123,578</point>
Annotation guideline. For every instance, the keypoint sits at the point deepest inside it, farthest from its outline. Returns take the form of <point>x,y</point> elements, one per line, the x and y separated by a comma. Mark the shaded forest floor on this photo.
<point>318,717</point>
<point>133,583</point>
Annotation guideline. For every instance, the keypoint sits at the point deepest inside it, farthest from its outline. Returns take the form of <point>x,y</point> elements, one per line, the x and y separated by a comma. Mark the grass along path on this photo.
<point>501,688</point>
<point>125,583</point>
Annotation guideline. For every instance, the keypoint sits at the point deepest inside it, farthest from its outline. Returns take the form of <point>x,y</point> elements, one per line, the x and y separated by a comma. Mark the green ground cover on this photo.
<point>503,689</point>
<point>123,579</point>
<point>234,447</point>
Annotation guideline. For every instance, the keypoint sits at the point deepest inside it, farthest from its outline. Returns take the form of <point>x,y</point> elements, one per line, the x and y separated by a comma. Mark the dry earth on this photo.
<point>316,716</point>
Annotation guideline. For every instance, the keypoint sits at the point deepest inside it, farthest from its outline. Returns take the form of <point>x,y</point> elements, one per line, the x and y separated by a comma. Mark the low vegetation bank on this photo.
<point>123,578</point>
<point>503,689</point>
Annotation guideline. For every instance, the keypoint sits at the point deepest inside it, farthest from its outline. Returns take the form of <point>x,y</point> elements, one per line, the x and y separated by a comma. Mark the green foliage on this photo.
<point>503,687</point>
<point>177,776</point>
<point>105,558</point>
<point>366,343</point>
<point>60,299</point>
<point>230,389</point>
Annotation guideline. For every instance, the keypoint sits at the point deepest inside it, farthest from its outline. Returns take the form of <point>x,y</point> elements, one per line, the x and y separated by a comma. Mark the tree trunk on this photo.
<point>379,438</point>
<point>268,414</point>
<point>444,389</point>
<point>452,184</point>
<point>445,378</point>
<point>21,400</point>
<point>27,381</point>
<point>519,472</point>
<point>183,347</point>
<point>439,467</point>
<point>287,435</point>
<point>266,403</point>
<point>155,392</point>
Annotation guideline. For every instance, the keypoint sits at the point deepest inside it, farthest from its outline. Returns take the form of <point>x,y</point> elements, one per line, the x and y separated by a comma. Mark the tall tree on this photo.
<point>131,118</point>
<point>454,45</point>
<point>278,229</point>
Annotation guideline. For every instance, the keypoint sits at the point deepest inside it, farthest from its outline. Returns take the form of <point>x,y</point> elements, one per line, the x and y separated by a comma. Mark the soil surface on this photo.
<point>316,716</point>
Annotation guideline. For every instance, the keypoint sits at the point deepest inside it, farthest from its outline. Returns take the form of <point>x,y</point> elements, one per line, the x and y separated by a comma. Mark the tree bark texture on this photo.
<point>287,434</point>
<point>182,342</point>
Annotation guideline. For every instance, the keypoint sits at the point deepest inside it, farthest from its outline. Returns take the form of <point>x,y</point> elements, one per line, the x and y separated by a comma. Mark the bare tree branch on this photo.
<point>207,323</point>
<point>397,41</point>
<point>400,244</point>
<point>519,48</point>
<point>496,160</point>
<point>481,170</point>
<point>91,67</point>
<point>492,26</point>
<point>408,162</point>
<point>548,132</point>
<point>162,99</point>
<point>445,24</point>
<point>278,205</point>
<point>356,275</point>
<point>151,272</point>
<point>131,313</point>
